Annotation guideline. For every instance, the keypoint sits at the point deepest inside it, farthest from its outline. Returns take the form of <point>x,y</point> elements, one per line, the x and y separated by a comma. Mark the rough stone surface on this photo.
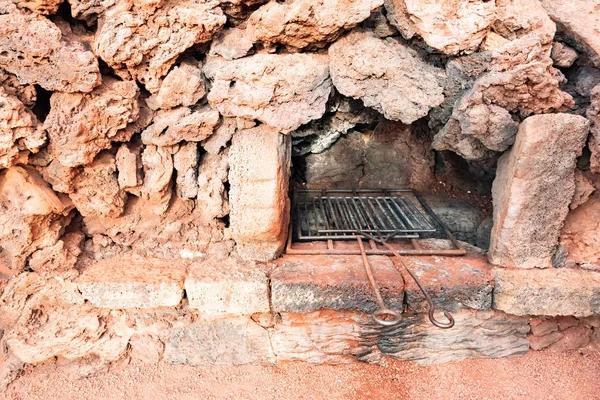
<point>212,342</point>
<point>584,187</point>
<point>96,189</point>
<point>35,50</point>
<point>25,93</point>
<point>461,216</point>
<point>542,342</point>
<point>552,291</point>
<point>133,282</point>
<point>32,216</point>
<point>259,171</point>
<point>231,287</point>
<point>562,55</point>
<point>158,171</point>
<point>533,188</point>
<point>60,257</point>
<point>573,338</point>
<point>307,283</point>
<point>333,337</point>
<point>393,155</point>
<point>185,162</point>
<point>386,75</point>
<point>143,40</point>
<point>146,348</point>
<point>307,23</point>
<point>19,130</point>
<point>231,43</point>
<point>452,282</point>
<point>518,78</point>
<point>261,87</point>
<point>80,125</point>
<point>580,235</point>
<point>44,7</point>
<point>221,136</point>
<point>181,232</point>
<point>173,126</point>
<point>448,26</point>
<point>580,21</point>
<point>593,114</point>
<point>543,326</point>
<point>212,175</point>
<point>129,166</point>
<point>183,86</point>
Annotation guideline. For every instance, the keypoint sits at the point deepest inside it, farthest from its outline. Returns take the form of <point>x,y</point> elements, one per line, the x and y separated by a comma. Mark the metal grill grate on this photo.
<point>341,214</point>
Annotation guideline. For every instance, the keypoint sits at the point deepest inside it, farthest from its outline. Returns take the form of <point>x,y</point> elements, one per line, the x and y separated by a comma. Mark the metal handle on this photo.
<point>380,314</point>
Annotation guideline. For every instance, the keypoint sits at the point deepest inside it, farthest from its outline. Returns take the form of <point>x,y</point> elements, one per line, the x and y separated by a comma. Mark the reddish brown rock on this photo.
<point>231,43</point>
<point>183,86</point>
<point>19,130</point>
<point>542,326</point>
<point>45,7</point>
<point>145,283</point>
<point>221,136</point>
<point>261,87</point>
<point>450,27</point>
<point>146,348</point>
<point>143,40</point>
<point>185,162</point>
<point>25,93</point>
<point>129,166</point>
<point>96,188</point>
<point>584,187</point>
<point>307,23</point>
<point>573,338</point>
<point>308,283</point>
<point>580,21</point>
<point>562,55</point>
<point>533,188</point>
<point>32,216</point>
<point>518,78</point>
<point>173,126</point>
<point>259,161</point>
<point>61,178</point>
<point>81,125</point>
<point>58,258</point>
<point>580,235</point>
<point>593,114</point>
<point>35,50</point>
<point>212,175</point>
<point>158,170</point>
<point>541,342</point>
<point>386,75</point>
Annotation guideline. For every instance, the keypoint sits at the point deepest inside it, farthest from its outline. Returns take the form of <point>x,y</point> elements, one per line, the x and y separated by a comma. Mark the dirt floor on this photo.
<point>538,375</point>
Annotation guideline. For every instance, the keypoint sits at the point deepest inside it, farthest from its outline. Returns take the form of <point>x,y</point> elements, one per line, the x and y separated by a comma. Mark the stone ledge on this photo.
<point>328,336</point>
<point>306,283</point>
<point>228,287</point>
<point>552,291</point>
<point>452,282</point>
<point>133,282</point>
<point>237,340</point>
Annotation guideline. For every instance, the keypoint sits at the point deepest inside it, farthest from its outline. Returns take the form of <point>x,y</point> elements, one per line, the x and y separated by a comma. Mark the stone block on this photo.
<point>573,338</point>
<point>228,287</point>
<point>461,216</point>
<point>237,340</point>
<point>308,283</point>
<point>541,342</point>
<point>131,281</point>
<point>533,188</point>
<point>543,326</point>
<point>553,291</point>
<point>259,173</point>
<point>452,282</point>
<point>334,336</point>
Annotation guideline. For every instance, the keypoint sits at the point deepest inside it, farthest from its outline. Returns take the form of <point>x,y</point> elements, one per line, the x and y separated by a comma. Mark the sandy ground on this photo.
<point>538,375</point>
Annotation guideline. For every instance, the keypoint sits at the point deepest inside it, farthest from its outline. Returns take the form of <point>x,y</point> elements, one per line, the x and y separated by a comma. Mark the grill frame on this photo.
<point>340,235</point>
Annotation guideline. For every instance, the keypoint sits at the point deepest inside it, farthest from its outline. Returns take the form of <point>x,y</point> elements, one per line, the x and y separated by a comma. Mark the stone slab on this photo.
<point>228,288</point>
<point>328,336</point>
<point>552,291</point>
<point>236,340</point>
<point>306,283</point>
<point>452,282</point>
<point>130,281</point>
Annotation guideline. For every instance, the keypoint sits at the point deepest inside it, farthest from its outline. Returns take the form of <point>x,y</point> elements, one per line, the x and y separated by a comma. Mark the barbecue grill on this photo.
<point>385,219</point>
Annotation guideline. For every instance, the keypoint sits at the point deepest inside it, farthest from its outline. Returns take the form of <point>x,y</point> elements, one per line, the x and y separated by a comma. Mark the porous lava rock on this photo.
<point>35,50</point>
<point>593,114</point>
<point>81,125</point>
<point>184,85</point>
<point>307,23</point>
<point>385,74</point>
<point>280,90</point>
<point>173,126</point>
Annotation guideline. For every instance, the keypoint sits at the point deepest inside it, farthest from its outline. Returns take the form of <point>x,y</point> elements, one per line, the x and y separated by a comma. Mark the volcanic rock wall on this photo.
<point>119,121</point>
